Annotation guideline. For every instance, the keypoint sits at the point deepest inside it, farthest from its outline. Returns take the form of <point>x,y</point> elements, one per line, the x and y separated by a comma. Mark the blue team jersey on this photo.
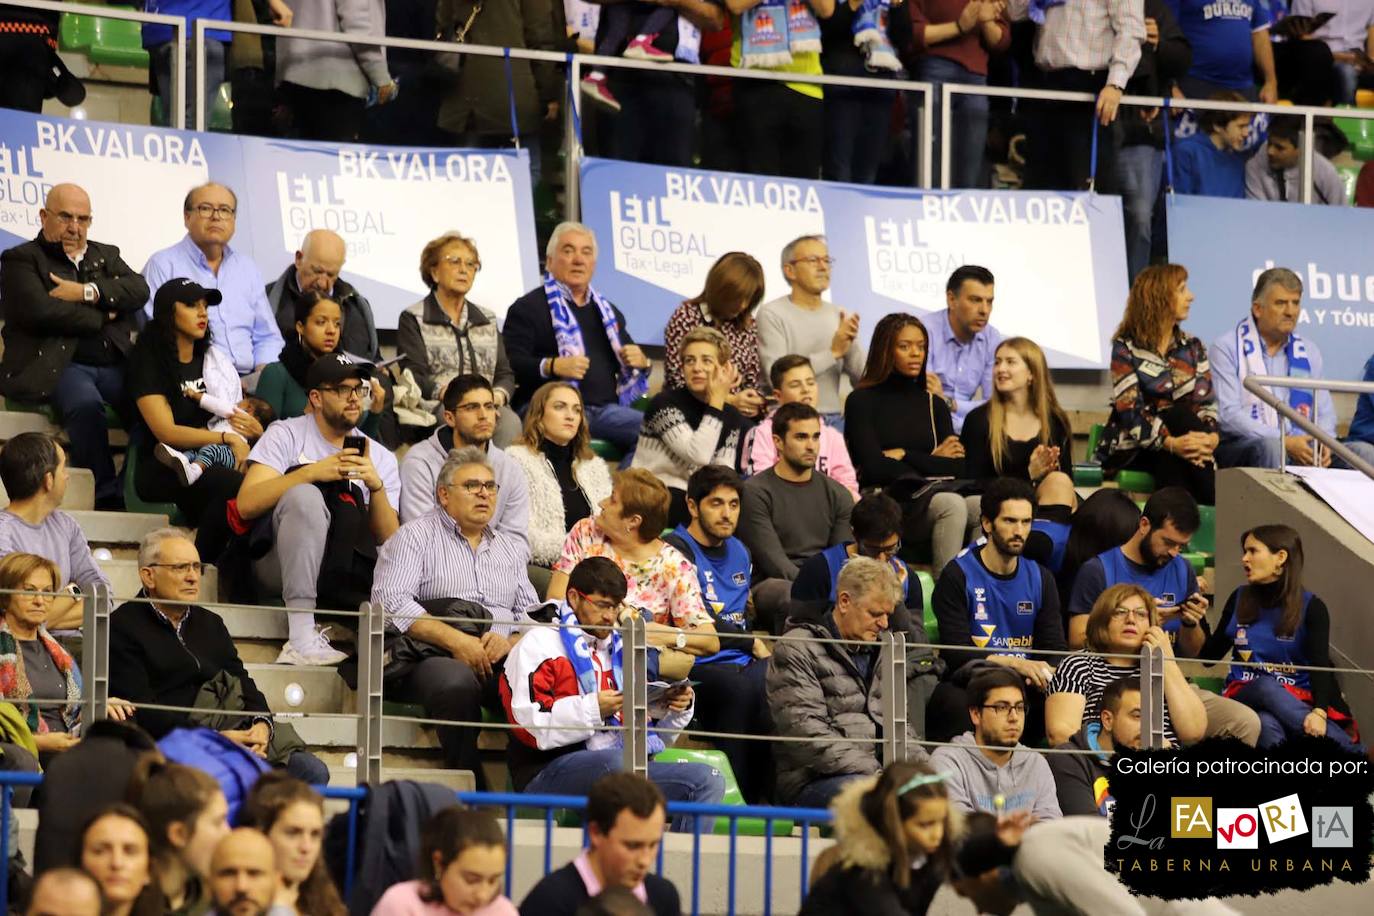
<point>838,555</point>
<point>1058,533</point>
<point>1001,611</point>
<point>725,589</point>
<point>1219,32</point>
<point>1281,655</point>
<point>1168,584</point>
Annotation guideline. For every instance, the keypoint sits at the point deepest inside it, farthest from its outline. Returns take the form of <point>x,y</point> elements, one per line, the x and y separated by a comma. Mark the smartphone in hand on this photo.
<point>358,443</point>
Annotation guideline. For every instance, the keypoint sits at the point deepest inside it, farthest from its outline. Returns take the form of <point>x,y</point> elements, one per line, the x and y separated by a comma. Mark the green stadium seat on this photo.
<point>111,42</point>
<point>1088,473</point>
<point>1350,174</point>
<point>1360,133</point>
<point>1205,538</point>
<point>927,592</point>
<point>135,503</point>
<point>1127,479</point>
<point>748,826</point>
<point>607,450</point>
<point>1213,684</point>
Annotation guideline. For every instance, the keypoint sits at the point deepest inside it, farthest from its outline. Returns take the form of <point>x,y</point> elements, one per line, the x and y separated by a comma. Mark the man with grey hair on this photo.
<point>831,693</point>
<point>1266,342</point>
<point>316,270</point>
<point>803,323</point>
<point>165,650</point>
<point>452,563</point>
<point>565,330</point>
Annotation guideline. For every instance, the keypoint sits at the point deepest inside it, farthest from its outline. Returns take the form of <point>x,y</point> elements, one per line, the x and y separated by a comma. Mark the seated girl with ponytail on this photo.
<point>187,816</point>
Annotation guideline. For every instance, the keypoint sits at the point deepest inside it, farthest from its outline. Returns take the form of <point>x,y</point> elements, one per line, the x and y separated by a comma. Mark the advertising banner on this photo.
<point>1059,258</point>
<point>386,202</point>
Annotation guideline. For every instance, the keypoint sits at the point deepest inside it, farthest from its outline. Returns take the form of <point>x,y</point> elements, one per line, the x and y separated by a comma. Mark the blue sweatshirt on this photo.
<point>1201,168</point>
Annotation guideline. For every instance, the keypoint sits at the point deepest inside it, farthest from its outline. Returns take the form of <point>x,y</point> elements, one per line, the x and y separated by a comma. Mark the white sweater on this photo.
<point>547,531</point>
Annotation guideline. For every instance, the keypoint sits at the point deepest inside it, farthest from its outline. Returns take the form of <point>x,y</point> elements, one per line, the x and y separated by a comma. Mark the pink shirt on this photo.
<point>833,461</point>
<point>583,864</point>
<point>404,900</point>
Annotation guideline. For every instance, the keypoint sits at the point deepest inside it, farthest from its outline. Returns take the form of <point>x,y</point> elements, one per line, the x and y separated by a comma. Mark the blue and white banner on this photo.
<point>1059,258</point>
<point>1225,244</point>
<point>386,202</point>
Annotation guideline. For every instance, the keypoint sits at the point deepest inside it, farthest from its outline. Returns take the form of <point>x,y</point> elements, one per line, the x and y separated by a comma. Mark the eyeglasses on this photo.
<point>605,605</point>
<point>68,218</point>
<point>869,549</point>
<point>472,265</point>
<point>484,407</point>
<point>181,569</point>
<point>211,211</point>
<point>1003,709</point>
<point>348,392</point>
<point>1139,613</point>
<point>473,487</point>
<point>815,261</point>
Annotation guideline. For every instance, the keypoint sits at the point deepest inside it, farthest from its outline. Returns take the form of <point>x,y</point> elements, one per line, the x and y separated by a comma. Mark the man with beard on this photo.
<point>243,875</point>
<point>301,473</point>
<point>1002,606</point>
<point>989,768</point>
<point>1153,559</point>
<point>1083,782</point>
<point>316,270</point>
<point>470,412</point>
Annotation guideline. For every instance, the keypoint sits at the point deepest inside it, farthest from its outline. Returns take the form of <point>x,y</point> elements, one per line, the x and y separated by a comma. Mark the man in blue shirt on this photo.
<point>1211,162</point>
<point>1265,342</point>
<point>243,326</point>
<point>962,343</point>
<point>1230,40</point>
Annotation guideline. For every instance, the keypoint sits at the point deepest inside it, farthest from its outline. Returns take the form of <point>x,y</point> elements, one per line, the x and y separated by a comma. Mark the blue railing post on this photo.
<point>5,791</point>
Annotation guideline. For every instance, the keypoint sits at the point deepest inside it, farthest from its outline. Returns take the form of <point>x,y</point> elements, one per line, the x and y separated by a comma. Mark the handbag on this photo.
<point>443,70</point>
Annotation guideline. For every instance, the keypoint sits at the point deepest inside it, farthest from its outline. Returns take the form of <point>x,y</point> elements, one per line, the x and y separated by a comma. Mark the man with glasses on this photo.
<point>877,524</point>
<point>243,326</point>
<point>470,412</point>
<point>71,317</point>
<point>989,768</point>
<point>326,501</point>
<point>803,323</point>
<point>316,270</point>
<point>454,562</point>
<point>165,649</point>
<point>962,343</point>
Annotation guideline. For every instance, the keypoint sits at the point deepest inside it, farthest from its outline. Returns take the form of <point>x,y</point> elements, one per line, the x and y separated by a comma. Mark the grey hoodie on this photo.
<point>1025,782</point>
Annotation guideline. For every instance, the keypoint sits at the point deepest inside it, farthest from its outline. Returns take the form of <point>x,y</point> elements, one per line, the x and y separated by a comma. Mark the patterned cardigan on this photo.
<point>436,350</point>
<point>1146,385</point>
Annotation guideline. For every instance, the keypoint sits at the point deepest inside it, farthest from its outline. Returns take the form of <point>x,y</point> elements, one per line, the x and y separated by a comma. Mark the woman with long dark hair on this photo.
<point>1164,411</point>
<point>115,852</point>
<point>1280,629</point>
<point>1106,519</point>
<point>291,814</point>
<point>187,815</point>
<point>462,864</point>
<point>897,430</point>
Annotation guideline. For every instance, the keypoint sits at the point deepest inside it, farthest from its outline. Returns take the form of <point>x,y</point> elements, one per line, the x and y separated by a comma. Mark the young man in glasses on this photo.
<point>454,563</point>
<point>305,475</point>
<point>990,769</point>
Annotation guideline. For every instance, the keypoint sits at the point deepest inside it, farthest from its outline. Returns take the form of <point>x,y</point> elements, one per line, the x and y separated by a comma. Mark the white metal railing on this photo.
<point>1259,386</point>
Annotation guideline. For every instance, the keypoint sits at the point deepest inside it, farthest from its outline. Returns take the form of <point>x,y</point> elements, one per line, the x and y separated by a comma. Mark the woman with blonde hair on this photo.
<point>1124,619</point>
<point>1164,411</point>
<point>1021,431</point>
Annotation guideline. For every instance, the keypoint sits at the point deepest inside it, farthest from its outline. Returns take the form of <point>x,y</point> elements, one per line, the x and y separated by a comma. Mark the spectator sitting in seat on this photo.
<point>115,852</point>
<point>1211,162</point>
<point>1106,519</point>
<point>625,818</point>
<point>71,317</point>
<point>1276,174</point>
<point>831,694</point>
<point>464,856</point>
<point>33,468</point>
<point>731,682</point>
<point>316,270</point>
<point>794,380</point>
<point>791,512</point>
<point>1164,414</point>
<point>301,475</point>
<point>318,331</point>
<point>963,345</point>
<point>562,686</point>
<point>991,597</point>
<point>33,666</point>
<point>662,582</point>
<point>690,427</point>
<point>566,480</point>
<point>470,420</point>
<point>565,329</point>
<point>445,335</point>
<point>1123,621</point>
<point>244,326</point>
<point>990,769</point>
<point>803,323</point>
<point>1266,342</point>
<point>1082,781</point>
<point>64,892</point>
<point>243,870</point>
<point>165,650</point>
<point>1349,37</point>
<point>454,554</point>
<point>290,813</point>
<point>187,817</point>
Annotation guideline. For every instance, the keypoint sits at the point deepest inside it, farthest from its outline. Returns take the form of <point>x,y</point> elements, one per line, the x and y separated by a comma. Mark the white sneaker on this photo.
<point>188,472</point>
<point>317,653</point>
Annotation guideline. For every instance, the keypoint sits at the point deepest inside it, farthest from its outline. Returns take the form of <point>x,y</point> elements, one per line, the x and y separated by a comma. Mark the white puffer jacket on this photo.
<point>547,531</point>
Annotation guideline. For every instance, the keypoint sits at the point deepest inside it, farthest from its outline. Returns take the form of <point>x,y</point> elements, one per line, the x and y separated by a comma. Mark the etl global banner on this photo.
<point>1225,244</point>
<point>1059,258</point>
<point>386,202</point>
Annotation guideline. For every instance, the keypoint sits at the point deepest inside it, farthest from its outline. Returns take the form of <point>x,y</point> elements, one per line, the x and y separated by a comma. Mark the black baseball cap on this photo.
<point>332,368</point>
<point>180,289</point>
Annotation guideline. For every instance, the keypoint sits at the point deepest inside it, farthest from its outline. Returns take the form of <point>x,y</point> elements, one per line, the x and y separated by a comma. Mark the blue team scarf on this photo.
<point>1250,353</point>
<point>579,645</point>
<point>773,31</point>
<point>870,35</point>
<point>630,384</point>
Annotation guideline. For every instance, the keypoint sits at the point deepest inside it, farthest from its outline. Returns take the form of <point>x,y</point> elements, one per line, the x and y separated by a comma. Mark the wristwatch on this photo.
<point>681,641</point>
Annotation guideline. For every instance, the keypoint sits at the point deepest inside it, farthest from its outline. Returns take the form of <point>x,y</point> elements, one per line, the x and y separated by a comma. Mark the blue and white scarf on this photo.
<point>870,36</point>
<point>773,31</point>
<point>630,384</point>
<point>1250,349</point>
<point>579,647</point>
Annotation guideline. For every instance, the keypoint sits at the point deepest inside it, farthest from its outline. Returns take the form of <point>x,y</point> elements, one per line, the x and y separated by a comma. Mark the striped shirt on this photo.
<point>429,558</point>
<point>1088,676</point>
<point>1088,35</point>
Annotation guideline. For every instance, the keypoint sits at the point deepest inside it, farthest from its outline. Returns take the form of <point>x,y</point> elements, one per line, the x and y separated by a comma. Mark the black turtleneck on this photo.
<point>898,413</point>
<point>575,505</point>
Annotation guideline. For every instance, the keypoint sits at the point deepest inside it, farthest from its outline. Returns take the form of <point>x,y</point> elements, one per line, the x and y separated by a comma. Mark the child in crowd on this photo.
<point>219,392</point>
<point>630,32</point>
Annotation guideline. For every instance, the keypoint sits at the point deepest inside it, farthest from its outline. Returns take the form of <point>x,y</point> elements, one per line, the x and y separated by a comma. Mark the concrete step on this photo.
<point>123,529</point>
<point>342,732</point>
<point>14,423</point>
<point>80,491</point>
<point>321,689</point>
<point>125,582</point>
<point>457,780</point>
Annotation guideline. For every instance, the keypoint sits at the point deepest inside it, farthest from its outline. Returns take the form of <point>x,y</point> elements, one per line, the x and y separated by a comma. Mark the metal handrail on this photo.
<point>1258,385</point>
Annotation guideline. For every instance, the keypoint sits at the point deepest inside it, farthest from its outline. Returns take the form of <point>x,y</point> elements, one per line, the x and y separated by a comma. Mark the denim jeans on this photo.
<point>79,399</point>
<point>1345,82</point>
<point>856,129</point>
<point>617,424</point>
<point>574,774</point>
<point>968,121</point>
<point>818,794</point>
<point>1281,714</point>
<point>1269,453</point>
<point>1140,169</point>
<point>160,58</point>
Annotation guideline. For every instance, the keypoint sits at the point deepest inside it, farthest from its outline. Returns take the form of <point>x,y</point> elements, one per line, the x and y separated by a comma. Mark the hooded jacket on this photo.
<point>1082,781</point>
<point>1024,783</point>
<point>860,880</point>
